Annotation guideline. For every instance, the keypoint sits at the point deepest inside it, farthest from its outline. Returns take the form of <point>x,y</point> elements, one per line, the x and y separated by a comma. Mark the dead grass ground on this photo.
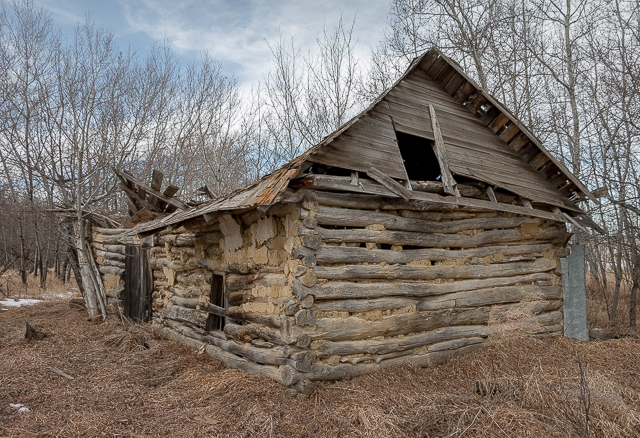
<point>122,388</point>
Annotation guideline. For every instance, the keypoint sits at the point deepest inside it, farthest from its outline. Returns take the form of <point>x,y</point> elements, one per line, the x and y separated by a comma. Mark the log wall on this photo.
<point>108,251</point>
<point>335,285</point>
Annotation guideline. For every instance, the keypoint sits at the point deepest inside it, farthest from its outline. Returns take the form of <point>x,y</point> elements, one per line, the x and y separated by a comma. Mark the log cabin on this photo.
<point>425,227</point>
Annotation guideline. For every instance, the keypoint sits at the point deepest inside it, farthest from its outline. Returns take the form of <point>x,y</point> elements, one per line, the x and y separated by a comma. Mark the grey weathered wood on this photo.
<point>410,272</point>
<point>491,194</point>
<point>389,183</point>
<point>441,154</point>
<point>111,270</point>
<point>253,331</point>
<point>328,182</point>
<point>110,255</point>
<point>349,290</point>
<point>475,298</point>
<point>389,345</point>
<point>575,294</point>
<point>344,254</point>
<point>353,328</point>
<point>225,357</point>
<point>488,297</point>
<point>190,303</point>
<point>362,218</point>
<point>193,316</point>
<point>237,313</point>
<point>321,371</point>
<point>439,240</point>
<point>60,373</point>
<point>166,199</point>
<point>216,310</point>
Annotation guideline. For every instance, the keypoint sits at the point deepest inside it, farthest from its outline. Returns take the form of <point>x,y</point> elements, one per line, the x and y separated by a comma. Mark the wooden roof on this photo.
<point>482,140</point>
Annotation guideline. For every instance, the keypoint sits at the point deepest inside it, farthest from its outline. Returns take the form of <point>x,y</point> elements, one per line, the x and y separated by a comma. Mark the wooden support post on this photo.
<point>354,177</point>
<point>441,154</point>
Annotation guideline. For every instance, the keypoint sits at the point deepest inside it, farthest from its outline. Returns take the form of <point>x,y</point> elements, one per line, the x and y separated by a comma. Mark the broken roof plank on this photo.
<point>389,183</point>
<point>141,186</point>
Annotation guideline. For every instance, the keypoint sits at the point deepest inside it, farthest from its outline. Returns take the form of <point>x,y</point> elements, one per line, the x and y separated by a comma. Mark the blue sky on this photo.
<point>231,31</point>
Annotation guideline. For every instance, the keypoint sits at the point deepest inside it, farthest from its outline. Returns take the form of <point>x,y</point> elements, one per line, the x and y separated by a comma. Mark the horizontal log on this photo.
<point>248,332</point>
<point>118,249</point>
<point>191,239</point>
<point>365,305</point>
<point>380,347</point>
<point>372,202</point>
<point>330,182</point>
<point>343,254</point>
<point>109,231</point>
<point>551,234</point>
<point>189,291</point>
<point>340,329</point>
<point>411,272</point>
<point>193,316</point>
<point>362,218</point>
<point>480,297</point>
<point>454,344</point>
<point>487,297</point>
<point>197,277</point>
<point>322,371</point>
<point>345,290</point>
<point>122,239</point>
<point>109,262</point>
<point>236,313</point>
<point>197,226</point>
<point>189,303</point>
<point>110,255</point>
<point>436,187</point>
<point>225,357</point>
<point>447,215</point>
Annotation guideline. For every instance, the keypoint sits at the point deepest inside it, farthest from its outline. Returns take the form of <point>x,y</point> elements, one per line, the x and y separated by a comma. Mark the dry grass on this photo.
<point>11,286</point>
<point>123,388</point>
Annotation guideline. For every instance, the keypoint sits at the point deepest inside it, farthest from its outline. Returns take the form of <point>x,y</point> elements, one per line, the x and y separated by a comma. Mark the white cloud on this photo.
<point>234,32</point>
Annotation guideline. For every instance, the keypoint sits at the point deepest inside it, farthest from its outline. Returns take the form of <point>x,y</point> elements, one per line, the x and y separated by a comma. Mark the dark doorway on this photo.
<point>138,284</point>
<point>217,298</point>
<point>418,156</point>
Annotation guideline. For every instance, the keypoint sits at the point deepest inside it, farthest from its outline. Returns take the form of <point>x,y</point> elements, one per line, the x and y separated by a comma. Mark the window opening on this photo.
<point>420,160</point>
<point>217,298</point>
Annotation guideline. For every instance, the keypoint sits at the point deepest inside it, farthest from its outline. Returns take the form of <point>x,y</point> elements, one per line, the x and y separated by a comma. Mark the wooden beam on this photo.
<point>329,182</point>
<point>170,201</point>
<point>156,183</point>
<point>389,183</point>
<point>441,154</point>
<point>138,200</point>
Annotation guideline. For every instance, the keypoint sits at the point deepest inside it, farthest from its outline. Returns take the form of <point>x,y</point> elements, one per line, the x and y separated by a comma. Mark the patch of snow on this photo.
<point>15,405</point>
<point>19,303</point>
<point>24,409</point>
<point>4,309</point>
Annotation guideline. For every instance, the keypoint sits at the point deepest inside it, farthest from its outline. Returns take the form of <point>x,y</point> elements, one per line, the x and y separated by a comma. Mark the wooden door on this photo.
<point>138,284</point>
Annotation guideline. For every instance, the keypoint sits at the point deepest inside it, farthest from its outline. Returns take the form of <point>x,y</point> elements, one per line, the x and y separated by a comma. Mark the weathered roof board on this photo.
<point>483,140</point>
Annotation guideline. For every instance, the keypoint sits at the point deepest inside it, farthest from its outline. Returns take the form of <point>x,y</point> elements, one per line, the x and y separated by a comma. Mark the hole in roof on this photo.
<point>419,159</point>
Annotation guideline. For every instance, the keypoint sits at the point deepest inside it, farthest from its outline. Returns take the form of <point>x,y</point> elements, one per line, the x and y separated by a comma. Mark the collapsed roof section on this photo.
<point>474,138</point>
